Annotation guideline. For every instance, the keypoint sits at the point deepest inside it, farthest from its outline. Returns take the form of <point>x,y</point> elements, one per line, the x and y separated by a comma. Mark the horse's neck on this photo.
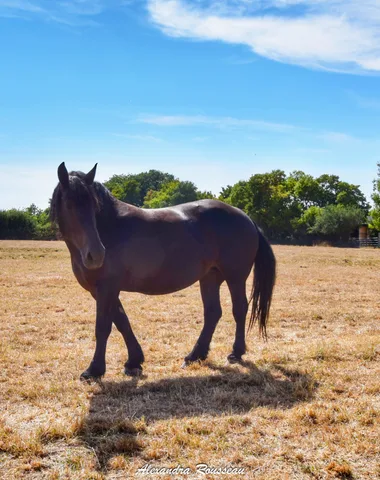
<point>106,217</point>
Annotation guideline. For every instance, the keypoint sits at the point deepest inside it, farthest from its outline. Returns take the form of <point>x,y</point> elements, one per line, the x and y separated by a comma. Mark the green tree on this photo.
<point>239,195</point>
<point>30,223</point>
<point>333,191</point>
<point>305,189</point>
<point>17,224</point>
<point>268,200</point>
<point>134,188</point>
<point>374,215</point>
<point>225,193</point>
<point>44,228</point>
<point>33,210</point>
<point>271,204</point>
<point>351,196</point>
<point>328,185</point>
<point>172,193</point>
<point>306,223</point>
<point>289,206</point>
<point>205,195</point>
<point>153,180</point>
<point>337,222</point>
<point>126,188</point>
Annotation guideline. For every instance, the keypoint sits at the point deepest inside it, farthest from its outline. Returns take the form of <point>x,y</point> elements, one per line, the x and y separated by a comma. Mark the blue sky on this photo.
<point>210,90</point>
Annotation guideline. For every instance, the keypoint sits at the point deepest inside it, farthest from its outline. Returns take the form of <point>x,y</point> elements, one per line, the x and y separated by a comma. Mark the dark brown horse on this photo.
<point>118,247</point>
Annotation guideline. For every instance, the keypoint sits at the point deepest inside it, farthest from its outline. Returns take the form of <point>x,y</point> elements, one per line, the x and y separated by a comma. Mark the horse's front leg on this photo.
<point>135,354</point>
<point>106,302</point>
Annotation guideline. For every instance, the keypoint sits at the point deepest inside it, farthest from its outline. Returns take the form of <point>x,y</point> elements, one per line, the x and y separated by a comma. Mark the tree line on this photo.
<point>290,207</point>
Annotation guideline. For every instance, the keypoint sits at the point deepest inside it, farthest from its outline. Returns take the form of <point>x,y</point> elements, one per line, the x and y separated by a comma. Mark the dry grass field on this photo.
<point>304,405</point>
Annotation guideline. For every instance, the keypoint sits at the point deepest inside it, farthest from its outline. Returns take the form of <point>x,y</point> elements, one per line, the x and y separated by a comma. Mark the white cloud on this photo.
<point>338,137</point>
<point>142,138</point>
<point>68,12</point>
<point>337,35</point>
<point>365,102</point>
<point>231,123</point>
<point>20,5</point>
<point>218,122</point>
<point>82,7</point>
<point>236,60</point>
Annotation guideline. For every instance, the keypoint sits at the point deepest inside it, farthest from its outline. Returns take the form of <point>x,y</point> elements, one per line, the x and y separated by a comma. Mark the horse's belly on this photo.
<point>151,287</point>
<point>170,278</point>
<point>156,270</point>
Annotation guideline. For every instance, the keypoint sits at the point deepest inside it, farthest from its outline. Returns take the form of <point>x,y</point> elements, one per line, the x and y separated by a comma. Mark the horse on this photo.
<point>115,246</point>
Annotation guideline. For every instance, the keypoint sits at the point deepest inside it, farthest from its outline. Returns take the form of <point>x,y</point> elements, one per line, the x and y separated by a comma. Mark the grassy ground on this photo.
<point>304,405</point>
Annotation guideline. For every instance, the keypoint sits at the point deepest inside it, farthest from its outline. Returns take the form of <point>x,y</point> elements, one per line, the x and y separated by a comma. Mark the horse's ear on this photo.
<point>63,175</point>
<point>89,178</point>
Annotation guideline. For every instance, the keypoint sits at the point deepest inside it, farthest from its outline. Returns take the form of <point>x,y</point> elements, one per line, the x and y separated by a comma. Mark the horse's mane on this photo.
<point>103,200</point>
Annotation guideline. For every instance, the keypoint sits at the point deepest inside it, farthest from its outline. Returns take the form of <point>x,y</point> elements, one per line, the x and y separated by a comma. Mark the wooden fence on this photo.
<point>373,242</point>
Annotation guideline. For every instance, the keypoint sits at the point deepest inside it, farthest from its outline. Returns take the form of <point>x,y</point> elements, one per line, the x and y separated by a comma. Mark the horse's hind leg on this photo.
<point>210,287</point>
<point>135,354</point>
<point>239,310</point>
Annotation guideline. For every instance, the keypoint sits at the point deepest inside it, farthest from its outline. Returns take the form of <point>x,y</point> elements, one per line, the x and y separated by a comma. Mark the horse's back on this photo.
<point>222,219</point>
<point>214,210</point>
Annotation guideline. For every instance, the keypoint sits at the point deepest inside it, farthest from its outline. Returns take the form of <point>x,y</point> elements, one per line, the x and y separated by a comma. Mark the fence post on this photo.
<point>363,235</point>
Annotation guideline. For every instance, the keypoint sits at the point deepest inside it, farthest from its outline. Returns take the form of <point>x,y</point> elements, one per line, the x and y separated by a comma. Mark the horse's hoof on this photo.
<point>232,359</point>
<point>189,362</point>
<point>133,372</point>
<point>88,377</point>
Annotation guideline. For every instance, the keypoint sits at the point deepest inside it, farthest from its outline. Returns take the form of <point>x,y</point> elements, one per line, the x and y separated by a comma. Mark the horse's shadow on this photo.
<point>120,412</point>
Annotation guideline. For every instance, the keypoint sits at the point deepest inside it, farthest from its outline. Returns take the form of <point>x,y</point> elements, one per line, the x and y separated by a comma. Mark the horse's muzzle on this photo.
<point>93,258</point>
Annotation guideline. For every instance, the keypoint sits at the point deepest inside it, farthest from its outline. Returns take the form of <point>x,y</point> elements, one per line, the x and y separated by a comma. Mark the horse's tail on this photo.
<point>263,284</point>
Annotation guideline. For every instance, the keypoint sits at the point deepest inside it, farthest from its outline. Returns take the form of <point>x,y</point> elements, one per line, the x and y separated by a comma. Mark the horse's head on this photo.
<point>76,206</point>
